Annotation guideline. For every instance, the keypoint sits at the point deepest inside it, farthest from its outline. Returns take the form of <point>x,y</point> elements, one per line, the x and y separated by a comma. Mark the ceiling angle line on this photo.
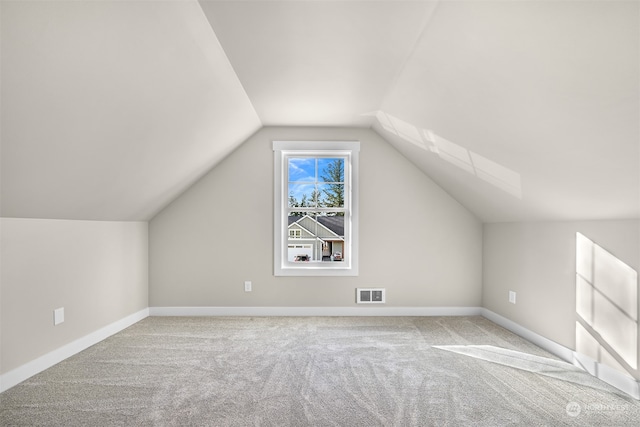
<point>423,30</point>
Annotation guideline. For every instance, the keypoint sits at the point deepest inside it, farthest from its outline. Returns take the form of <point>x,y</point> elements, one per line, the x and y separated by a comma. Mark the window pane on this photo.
<point>302,169</point>
<point>331,170</point>
<point>315,237</point>
<point>331,195</point>
<point>302,248</point>
<point>331,236</point>
<point>303,195</point>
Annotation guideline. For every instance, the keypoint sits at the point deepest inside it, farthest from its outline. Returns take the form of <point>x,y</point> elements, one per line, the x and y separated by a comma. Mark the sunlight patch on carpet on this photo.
<point>527,362</point>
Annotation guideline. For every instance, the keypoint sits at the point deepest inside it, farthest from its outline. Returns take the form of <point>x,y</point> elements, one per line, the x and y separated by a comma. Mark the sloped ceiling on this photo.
<point>317,62</point>
<point>521,110</point>
<point>110,109</point>
<point>532,108</point>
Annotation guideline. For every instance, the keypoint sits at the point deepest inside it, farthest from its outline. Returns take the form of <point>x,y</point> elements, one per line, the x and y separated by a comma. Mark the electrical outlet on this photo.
<point>512,297</point>
<point>247,286</point>
<point>58,316</point>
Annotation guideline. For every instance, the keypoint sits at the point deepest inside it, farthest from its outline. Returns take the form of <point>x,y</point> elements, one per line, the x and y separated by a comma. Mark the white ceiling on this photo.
<point>521,110</point>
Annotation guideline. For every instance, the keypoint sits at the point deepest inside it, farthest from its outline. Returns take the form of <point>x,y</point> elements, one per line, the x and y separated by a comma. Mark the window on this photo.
<point>315,218</point>
<point>295,233</point>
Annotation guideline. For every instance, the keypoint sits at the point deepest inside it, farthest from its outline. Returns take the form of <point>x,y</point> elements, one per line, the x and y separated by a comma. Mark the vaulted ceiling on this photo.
<point>521,110</point>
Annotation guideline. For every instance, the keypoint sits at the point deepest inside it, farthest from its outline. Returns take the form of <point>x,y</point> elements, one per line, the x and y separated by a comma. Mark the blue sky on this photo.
<point>301,169</point>
<point>304,169</point>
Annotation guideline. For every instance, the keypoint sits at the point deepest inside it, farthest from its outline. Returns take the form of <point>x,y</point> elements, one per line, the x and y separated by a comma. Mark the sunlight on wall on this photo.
<point>473,163</point>
<point>607,306</point>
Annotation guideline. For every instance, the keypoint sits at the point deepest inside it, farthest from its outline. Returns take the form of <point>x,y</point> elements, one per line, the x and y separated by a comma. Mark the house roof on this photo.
<point>519,110</point>
<point>334,223</point>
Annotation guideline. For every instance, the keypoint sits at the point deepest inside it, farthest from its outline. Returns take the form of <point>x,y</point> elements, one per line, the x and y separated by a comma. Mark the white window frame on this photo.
<point>297,233</point>
<point>284,149</point>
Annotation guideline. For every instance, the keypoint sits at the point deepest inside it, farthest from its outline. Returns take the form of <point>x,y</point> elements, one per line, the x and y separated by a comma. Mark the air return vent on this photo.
<point>370,295</point>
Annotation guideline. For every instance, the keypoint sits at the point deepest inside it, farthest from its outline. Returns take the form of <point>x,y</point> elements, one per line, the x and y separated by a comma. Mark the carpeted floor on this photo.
<point>318,371</point>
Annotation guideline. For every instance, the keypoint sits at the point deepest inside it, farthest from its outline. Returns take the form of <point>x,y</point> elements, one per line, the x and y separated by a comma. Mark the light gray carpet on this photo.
<point>320,371</point>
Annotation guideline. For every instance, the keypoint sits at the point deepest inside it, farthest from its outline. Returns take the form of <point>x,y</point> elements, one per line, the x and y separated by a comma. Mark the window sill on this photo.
<point>319,271</point>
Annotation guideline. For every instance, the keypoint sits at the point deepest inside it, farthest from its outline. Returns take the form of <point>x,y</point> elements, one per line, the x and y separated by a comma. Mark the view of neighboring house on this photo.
<point>319,238</point>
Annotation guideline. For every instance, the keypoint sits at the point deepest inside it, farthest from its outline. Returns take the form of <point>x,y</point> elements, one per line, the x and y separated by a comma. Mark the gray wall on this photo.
<point>96,270</point>
<point>415,240</point>
<point>537,260</point>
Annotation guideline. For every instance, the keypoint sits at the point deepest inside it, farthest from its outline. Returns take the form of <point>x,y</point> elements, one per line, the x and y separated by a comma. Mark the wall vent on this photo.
<point>370,295</point>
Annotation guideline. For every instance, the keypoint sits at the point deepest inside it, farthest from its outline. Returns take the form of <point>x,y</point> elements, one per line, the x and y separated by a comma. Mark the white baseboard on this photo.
<point>552,347</point>
<point>315,311</point>
<point>615,378</point>
<point>609,375</point>
<point>38,365</point>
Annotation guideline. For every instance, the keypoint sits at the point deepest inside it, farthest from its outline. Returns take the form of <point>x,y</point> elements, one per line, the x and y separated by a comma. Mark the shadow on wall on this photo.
<point>606,307</point>
<point>473,163</point>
